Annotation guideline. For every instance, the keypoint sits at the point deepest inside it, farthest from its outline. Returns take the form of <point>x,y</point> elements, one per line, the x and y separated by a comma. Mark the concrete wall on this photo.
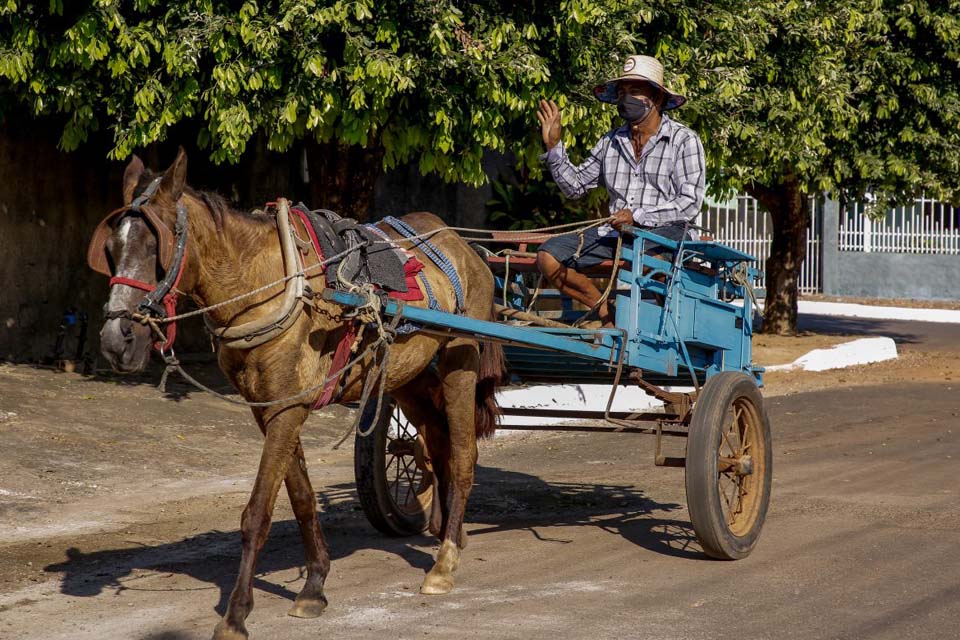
<point>49,203</point>
<point>884,275</point>
<point>894,275</point>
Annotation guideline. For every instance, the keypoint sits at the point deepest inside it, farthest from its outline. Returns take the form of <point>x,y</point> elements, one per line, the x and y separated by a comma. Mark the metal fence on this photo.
<point>741,224</point>
<point>928,226</point>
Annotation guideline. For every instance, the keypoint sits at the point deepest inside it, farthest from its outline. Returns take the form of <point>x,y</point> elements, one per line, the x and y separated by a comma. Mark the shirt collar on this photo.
<point>664,131</point>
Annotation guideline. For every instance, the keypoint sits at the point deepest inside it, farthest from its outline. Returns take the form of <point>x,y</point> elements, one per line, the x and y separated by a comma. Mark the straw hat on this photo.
<point>643,68</point>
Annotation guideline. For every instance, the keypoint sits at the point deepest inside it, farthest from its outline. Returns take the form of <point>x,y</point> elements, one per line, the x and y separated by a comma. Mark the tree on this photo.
<point>846,97</point>
<point>791,98</point>
<point>364,86</point>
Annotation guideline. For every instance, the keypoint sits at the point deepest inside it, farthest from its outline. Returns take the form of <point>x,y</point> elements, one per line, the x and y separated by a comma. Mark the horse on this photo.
<point>229,252</point>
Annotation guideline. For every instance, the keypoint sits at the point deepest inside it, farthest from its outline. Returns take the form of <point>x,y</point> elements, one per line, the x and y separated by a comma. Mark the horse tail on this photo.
<point>492,374</point>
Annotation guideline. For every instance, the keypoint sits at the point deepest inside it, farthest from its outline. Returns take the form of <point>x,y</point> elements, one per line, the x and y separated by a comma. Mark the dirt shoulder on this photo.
<point>87,454</point>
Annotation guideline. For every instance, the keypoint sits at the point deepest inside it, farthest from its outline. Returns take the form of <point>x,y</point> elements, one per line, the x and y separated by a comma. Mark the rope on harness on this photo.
<point>506,277</point>
<point>580,234</point>
<point>610,284</point>
<point>435,255</point>
<point>173,365</point>
<point>333,258</point>
<point>536,293</point>
<point>387,335</point>
<point>740,275</point>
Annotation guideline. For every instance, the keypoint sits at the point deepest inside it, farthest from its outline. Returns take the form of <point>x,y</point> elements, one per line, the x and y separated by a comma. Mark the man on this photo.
<point>652,167</point>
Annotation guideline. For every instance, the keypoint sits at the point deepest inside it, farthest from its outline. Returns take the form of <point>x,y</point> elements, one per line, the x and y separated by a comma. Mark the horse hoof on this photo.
<point>436,585</point>
<point>308,607</point>
<point>225,632</point>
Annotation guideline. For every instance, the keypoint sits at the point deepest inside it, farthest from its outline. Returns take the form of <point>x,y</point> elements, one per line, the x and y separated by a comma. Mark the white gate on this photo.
<point>928,226</point>
<point>741,224</point>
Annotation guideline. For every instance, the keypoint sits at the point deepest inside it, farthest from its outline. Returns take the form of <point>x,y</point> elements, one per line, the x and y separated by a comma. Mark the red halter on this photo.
<point>169,301</point>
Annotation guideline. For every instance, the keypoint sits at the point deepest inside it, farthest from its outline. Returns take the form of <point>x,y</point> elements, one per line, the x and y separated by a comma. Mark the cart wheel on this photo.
<point>393,472</point>
<point>729,466</point>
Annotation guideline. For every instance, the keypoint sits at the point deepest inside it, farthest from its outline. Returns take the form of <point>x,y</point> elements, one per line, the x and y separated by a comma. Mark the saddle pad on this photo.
<point>387,266</point>
<point>372,261</point>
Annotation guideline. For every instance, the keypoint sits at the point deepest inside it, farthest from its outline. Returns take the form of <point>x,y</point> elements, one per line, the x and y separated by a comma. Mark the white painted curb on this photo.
<point>844,309</point>
<point>593,397</point>
<point>848,354</point>
<point>574,397</point>
<point>849,310</point>
<point>570,397</point>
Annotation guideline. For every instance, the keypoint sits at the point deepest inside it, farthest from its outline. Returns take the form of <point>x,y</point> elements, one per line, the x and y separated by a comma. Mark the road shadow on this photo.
<point>866,327</point>
<point>213,557</point>
<point>502,501</point>
<point>202,367</point>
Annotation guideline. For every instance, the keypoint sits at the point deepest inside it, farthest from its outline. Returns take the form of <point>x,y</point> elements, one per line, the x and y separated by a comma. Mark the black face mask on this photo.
<point>634,110</point>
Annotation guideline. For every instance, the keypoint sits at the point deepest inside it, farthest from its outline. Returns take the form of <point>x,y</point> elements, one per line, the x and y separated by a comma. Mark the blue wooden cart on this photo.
<point>683,319</point>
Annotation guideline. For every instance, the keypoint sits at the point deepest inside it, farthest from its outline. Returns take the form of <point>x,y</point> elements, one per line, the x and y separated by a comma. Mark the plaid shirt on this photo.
<point>666,185</point>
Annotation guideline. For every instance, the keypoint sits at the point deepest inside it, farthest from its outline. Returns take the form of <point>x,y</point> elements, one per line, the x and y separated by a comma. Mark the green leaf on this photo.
<point>290,111</point>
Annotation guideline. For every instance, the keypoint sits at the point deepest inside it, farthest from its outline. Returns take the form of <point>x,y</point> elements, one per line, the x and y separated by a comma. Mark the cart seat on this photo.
<point>523,259</point>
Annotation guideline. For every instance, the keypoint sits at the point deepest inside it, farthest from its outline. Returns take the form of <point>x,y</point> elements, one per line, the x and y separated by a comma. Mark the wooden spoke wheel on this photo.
<point>393,472</point>
<point>729,466</point>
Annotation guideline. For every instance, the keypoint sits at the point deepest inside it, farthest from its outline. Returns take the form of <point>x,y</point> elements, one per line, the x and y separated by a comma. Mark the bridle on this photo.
<point>160,301</point>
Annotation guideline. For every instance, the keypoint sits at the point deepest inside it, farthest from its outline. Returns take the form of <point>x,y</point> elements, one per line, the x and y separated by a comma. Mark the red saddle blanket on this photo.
<point>411,269</point>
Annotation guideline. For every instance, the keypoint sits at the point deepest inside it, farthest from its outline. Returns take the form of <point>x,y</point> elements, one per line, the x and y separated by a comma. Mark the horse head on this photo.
<point>135,245</point>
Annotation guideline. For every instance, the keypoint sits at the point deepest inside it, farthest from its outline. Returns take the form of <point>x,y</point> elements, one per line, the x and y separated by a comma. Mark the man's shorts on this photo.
<point>597,249</point>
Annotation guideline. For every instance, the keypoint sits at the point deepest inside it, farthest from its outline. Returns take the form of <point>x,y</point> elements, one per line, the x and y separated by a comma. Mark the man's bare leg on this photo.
<point>574,284</point>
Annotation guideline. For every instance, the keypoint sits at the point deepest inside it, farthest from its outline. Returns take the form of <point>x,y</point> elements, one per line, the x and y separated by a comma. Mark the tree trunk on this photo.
<point>787,205</point>
<point>342,177</point>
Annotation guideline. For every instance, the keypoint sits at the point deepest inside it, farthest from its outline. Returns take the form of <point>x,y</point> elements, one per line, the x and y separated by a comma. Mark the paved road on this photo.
<point>924,336</point>
<point>572,536</point>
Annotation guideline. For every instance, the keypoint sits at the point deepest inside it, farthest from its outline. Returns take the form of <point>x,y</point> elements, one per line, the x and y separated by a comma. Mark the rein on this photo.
<point>159,305</point>
<point>169,308</point>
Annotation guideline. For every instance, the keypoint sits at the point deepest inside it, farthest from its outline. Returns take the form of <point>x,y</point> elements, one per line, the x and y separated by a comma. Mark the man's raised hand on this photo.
<point>549,116</point>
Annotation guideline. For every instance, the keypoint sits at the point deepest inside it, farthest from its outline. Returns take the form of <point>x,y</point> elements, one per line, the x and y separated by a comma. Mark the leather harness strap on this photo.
<point>340,357</point>
<point>169,302</point>
<point>342,353</point>
<point>161,299</point>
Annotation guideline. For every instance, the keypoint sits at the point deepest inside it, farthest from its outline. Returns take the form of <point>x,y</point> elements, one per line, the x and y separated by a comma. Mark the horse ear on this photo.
<point>175,179</point>
<point>131,176</point>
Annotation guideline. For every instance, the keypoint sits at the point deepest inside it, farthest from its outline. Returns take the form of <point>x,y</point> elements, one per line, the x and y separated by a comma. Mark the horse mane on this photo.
<point>218,206</point>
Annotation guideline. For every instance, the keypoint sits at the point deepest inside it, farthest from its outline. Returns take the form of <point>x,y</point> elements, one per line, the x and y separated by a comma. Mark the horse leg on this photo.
<point>310,602</point>
<point>282,434</point>
<point>459,367</point>
<point>421,409</point>
<point>438,444</point>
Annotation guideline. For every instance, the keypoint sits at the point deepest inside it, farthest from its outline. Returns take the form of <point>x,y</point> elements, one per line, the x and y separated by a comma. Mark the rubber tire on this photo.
<point>703,495</point>
<point>369,466</point>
